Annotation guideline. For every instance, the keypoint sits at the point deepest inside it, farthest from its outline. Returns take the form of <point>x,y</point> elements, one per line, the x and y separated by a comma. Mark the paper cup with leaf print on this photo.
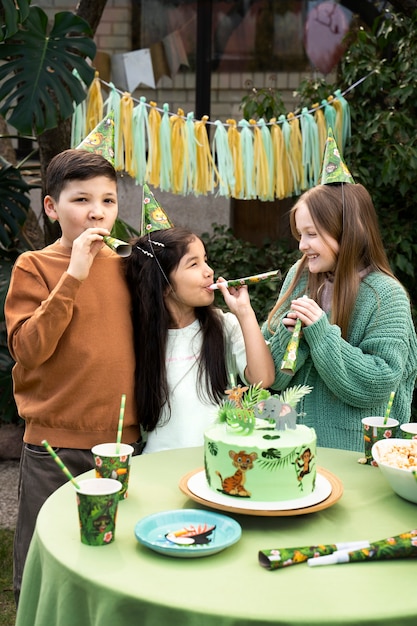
<point>374,429</point>
<point>113,461</point>
<point>409,431</point>
<point>97,502</point>
<point>121,248</point>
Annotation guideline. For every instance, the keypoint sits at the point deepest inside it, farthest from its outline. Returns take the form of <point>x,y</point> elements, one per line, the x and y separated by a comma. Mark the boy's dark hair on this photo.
<point>75,164</point>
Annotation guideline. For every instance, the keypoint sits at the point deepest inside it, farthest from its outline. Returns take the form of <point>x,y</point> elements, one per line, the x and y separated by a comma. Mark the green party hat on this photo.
<point>101,139</point>
<point>153,215</point>
<point>334,169</point>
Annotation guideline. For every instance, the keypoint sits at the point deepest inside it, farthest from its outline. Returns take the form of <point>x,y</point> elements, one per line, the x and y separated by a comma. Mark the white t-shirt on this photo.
<point>190,415</point>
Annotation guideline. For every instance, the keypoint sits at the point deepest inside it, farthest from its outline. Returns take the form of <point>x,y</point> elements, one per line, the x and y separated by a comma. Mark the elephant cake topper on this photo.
<point>249,408</point>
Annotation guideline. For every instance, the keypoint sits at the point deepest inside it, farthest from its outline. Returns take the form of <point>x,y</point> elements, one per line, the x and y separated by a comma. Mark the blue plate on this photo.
<point>187,533</point>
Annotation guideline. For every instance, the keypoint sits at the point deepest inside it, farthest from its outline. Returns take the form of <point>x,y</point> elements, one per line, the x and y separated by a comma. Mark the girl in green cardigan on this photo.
<point>358,341</point>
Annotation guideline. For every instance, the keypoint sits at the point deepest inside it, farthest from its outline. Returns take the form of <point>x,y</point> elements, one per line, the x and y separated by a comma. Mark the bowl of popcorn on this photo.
<point>397,460</point>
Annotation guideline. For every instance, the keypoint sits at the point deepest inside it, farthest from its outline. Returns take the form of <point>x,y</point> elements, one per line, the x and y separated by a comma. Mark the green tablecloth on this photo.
<point>69,584</point>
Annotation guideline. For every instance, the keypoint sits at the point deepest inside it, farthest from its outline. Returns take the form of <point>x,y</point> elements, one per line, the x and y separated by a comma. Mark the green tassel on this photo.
<point>223,157</point>
<point>346,127</point>
<point>311,150</point>
<point>165,175</point>
<point>113,104</point>
<point>329,114</point>
<point>78,121</point>
<point>140,127</point>
<point>246,137</point>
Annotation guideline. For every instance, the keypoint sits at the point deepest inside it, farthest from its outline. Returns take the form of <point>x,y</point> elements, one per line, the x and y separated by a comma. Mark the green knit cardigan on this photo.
<point>351,379</point>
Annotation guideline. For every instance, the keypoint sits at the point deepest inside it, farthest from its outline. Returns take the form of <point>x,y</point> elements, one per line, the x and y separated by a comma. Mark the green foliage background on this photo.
<point>382,152</point>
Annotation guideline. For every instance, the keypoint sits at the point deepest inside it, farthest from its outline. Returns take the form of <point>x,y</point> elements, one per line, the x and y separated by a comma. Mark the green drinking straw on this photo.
<point>120,426</point>
<point>388,411</point>
<point>60,464</point>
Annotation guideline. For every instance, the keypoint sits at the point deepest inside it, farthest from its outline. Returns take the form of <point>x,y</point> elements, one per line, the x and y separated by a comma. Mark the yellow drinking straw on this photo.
<point>120,426</point>
<point>60,463</point>
<point>388,411</point>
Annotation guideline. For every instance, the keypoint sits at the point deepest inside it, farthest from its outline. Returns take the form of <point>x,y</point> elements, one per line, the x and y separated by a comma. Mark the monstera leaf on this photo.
<point>38,70</point>
<point>13,12</point>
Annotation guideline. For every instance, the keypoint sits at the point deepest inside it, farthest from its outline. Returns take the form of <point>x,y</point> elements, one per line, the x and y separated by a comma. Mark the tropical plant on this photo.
<point>266,102</point>
<point>44,69</point>
<point>41,76</point>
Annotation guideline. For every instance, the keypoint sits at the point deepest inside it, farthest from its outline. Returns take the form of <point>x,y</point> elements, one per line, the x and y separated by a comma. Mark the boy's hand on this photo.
<point>84,250</point>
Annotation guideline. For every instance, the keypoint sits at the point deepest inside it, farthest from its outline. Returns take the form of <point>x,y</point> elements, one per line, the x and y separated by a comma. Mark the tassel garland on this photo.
<point>246,159</point>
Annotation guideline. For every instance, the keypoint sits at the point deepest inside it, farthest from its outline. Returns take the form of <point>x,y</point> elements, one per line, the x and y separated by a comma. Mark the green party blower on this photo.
<point>289,360</point>
<point>248,280</point>
<point>402,546</point>
<point>278,558</point>
<point>60,463</point>
<point>121,248</point>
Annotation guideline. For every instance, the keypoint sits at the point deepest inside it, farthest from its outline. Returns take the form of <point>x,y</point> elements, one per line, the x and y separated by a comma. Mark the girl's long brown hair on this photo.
<point>346,213</point>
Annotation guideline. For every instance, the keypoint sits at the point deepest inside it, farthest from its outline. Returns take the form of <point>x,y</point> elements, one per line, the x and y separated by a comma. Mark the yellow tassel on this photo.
<point>296,147</point>
<point>282,181</point>
<point>94,113</point>
<point>321,126</point>
<point>261,164</point>
<point>180,156</point>
<point>338,130</point>
<point>126,112</point>
<point>233,137</point>
<point>204,180</point>
<point>154,158</point>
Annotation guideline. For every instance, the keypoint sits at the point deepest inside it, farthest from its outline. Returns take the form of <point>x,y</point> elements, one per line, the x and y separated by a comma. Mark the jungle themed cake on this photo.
<point>257,450</point>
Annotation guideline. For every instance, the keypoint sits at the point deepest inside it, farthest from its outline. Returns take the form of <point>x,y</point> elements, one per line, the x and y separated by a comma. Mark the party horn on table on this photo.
<point>120,424</point>
<point>388,411</point>
<point>248,280</point>
<point>402,546</point>
<point>60,463</point>
<point>289,360</point>
<point>120,247</point>
<point>283,557</point>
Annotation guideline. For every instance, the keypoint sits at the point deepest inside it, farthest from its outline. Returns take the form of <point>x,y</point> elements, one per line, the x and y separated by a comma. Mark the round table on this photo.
<point>66,583</point>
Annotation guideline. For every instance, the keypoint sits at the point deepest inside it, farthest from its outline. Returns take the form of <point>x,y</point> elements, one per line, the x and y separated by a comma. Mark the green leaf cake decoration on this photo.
<point>293,395</point>
<point>249,408</point>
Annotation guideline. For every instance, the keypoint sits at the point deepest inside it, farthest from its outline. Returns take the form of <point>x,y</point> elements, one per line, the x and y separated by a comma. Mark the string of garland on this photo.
<point>246,159</point>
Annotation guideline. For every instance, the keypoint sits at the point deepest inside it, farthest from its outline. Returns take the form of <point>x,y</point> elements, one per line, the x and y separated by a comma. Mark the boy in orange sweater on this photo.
<point>70,333</point>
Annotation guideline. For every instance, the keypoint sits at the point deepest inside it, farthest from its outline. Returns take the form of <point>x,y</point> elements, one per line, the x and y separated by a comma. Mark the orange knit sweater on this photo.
<point>73,346</point>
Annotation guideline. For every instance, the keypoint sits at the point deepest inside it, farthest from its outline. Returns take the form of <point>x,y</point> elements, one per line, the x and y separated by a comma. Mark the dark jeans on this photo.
<point>39,477</point>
